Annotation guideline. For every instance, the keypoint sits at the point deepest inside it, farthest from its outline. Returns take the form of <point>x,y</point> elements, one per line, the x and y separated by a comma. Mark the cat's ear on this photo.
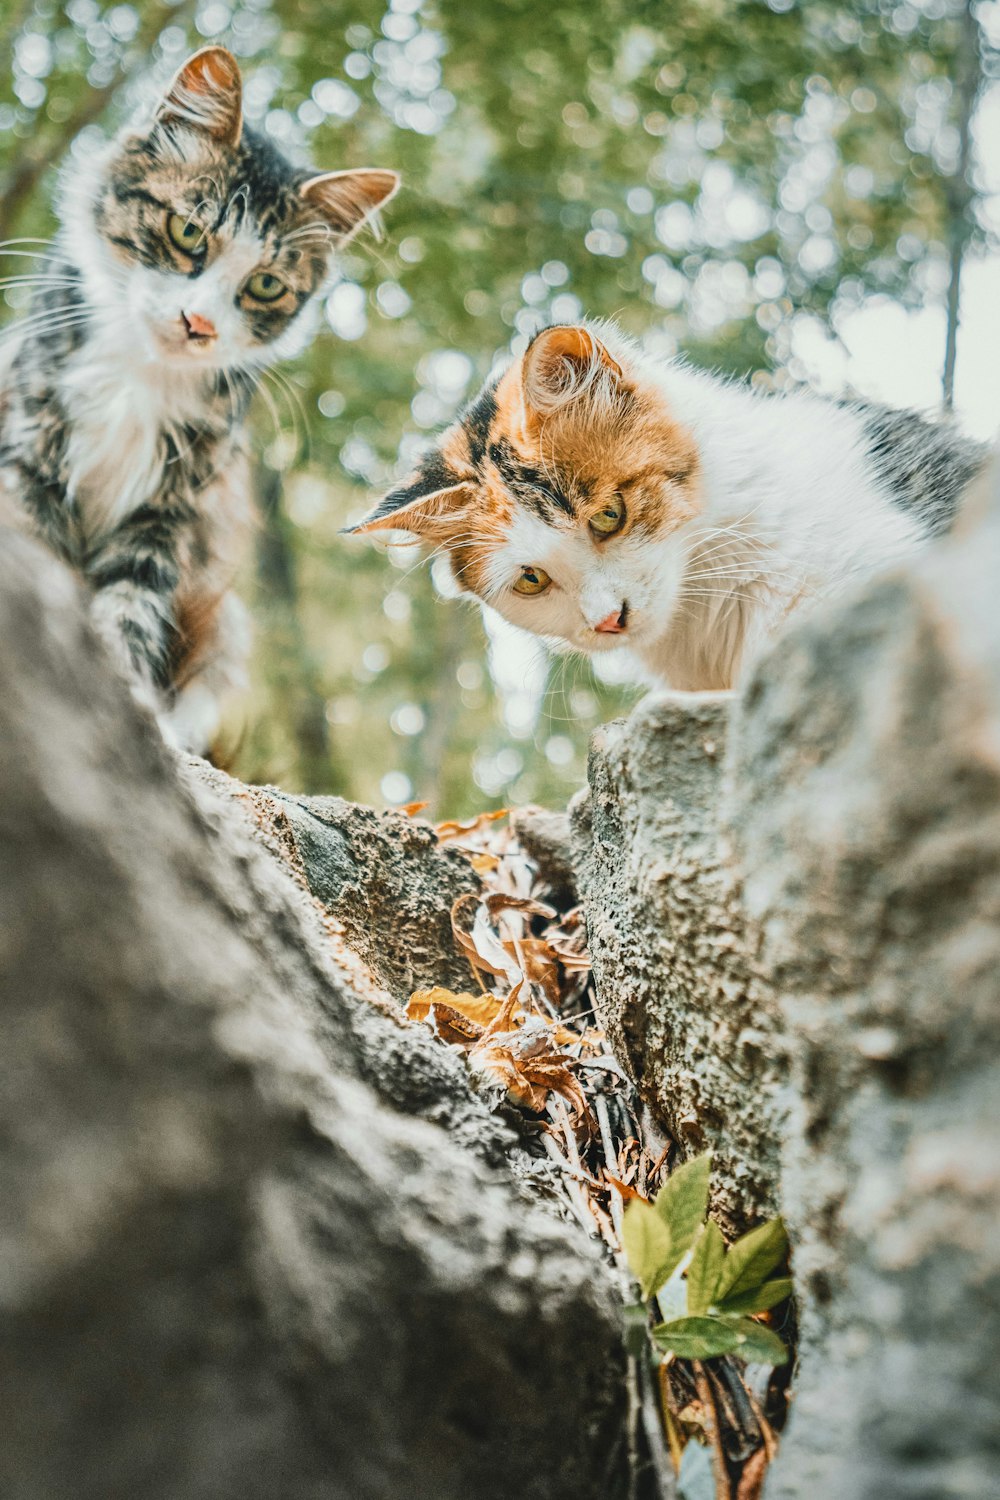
<point>421,506</point>
<point>206,94</point>
<point>347,200</point>
<point>560,365</point>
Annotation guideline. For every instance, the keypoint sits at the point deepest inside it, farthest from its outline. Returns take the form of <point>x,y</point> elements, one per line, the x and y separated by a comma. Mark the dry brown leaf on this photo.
<point>412,808</point>
<point>498,901</point>
<point>527,1066</point>
<point>479,1008</point>
<point>626,1191</point>
<point>534,959</point>
<point>484,864</point>
<point>574,960</point>
<point>503,1022</point>
<point>453,1026</point>
<point>752,1478</point>
<point>452,828</point>
<point>483,950</point>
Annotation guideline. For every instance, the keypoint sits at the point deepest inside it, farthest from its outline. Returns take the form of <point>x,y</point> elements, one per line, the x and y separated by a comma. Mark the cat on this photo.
<point>602,498</point>
<point>189,257</point>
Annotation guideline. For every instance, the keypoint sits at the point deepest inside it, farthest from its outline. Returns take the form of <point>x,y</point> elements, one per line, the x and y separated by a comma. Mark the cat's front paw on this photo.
<point>192,722</point>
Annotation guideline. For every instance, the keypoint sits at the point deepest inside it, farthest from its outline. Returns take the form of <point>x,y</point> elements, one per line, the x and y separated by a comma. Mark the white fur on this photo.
<point>193,720</point>
<point>138,376</point>
<point>792,513</point>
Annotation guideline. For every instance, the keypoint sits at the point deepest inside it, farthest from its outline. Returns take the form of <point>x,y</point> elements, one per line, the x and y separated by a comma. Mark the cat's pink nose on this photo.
<point>197,326</point>
<point>614,623</point>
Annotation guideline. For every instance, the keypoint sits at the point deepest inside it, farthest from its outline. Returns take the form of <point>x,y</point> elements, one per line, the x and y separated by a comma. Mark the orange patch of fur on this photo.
<point>196,619</point>
<point>623,443</point>
<point>630,447</point>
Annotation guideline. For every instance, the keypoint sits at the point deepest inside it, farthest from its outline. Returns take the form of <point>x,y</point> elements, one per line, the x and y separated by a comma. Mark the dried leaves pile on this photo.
<point>526,1028</point>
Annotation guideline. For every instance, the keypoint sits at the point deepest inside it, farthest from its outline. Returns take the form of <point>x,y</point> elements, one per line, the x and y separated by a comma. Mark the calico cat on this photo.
<point>602,498</point>
<point>188,256</point>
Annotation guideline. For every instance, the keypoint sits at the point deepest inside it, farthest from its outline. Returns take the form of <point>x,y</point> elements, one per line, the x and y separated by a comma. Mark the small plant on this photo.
<point>705,1293</point>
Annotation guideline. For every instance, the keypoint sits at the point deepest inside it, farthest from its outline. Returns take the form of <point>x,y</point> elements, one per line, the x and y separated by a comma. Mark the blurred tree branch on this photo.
<point>305,705</point>
<point>25,175</point>
<point>959,190</point>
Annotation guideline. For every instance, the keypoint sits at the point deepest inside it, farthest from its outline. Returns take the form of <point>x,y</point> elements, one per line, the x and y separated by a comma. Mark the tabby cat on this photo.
<point>188,257</point>
<point>602,498</point>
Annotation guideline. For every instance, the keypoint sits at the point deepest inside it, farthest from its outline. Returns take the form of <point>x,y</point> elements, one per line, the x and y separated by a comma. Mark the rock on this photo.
<point>233,1266</point>
<point>547,838</point>
<point>675,987</point>
<point>798,956</point>
<point>360,863</point>
<point>865,805</point>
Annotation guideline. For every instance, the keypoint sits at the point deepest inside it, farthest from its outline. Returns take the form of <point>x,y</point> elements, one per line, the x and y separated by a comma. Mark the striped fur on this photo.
<point>124,392</point>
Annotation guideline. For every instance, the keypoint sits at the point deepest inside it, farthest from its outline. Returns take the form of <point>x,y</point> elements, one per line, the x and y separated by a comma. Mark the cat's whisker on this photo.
<point>13,247</point>
<point>40,314</point>
<point>300,435</point>
<point>66,277</point>
<point>441,550</point>
<point>743,574</point>
<point>241,193</point>
<point>315,229</point>
<point>213,183</point>
<point>231,392</point>
<point>41,324</point>
<point>272,410</point>
<point>33,255</point>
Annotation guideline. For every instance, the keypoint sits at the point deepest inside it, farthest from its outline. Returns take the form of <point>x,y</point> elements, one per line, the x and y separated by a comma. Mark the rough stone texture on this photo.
<point>360,864</point>
<point>866,805</point>
<point>546,836</point>
<point>676,992</point>
<point>230,1266</point>
<point>834,896</point>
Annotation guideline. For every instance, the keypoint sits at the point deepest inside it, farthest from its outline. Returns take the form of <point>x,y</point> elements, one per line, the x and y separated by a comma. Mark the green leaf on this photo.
<point>647,1246</point>
<point>682,1203</point>
<point>705,1269</point>
<point>754,1342</point>
<point>752,1259</point>
<point>758,1300</point>
<point>697,1338</point>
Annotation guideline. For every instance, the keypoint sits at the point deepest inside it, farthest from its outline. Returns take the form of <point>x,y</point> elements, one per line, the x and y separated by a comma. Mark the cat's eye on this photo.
<point>185,234</point>
<point>610,518</point>
<point>265,287</point>
<point>532,581</point>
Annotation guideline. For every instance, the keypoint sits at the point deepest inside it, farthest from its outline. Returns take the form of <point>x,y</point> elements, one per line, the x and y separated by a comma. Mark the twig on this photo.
<point>652,1426</point>
<point>607,1140</point>
<point>632,1420</point>
<point>722,1486</point>
<point>576,1199</point>
<point>766,1430</point>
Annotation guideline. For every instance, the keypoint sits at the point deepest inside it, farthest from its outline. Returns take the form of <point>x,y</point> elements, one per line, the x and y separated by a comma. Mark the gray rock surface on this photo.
<point>360,864</point>
<point>866,808</point>
<point>677,995</point>
<point>241,1256</point>
<point>797,948</point>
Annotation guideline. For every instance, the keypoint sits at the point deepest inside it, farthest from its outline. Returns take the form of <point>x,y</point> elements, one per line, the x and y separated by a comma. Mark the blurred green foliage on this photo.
<point>710,172</point>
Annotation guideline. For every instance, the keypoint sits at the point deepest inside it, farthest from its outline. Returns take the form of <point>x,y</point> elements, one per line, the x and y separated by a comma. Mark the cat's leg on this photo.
<point>134,573</point>
<point>215,672</point>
